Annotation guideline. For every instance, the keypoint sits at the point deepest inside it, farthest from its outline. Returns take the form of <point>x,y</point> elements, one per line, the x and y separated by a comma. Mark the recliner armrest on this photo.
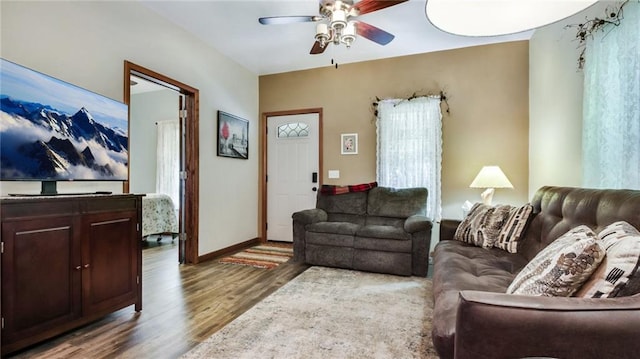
<point>498,325</point>
<point>417,223</point>
<point>300,221</point>
<point>309,216</point>
<point>448,228</point>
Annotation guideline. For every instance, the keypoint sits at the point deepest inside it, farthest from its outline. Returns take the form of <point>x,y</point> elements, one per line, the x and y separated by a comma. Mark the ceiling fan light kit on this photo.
<point>499,17</point>
<point>337,23</point>
<point>325,35</point>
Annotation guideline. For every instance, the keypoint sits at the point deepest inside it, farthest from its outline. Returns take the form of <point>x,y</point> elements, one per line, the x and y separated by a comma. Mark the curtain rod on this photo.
<point>442,96</point>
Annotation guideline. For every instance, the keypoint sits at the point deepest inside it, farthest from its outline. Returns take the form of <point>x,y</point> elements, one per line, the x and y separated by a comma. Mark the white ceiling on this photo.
<point>232,28</point>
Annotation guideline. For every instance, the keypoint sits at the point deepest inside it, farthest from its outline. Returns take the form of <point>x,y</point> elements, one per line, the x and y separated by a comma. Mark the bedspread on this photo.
<point>158,214</point>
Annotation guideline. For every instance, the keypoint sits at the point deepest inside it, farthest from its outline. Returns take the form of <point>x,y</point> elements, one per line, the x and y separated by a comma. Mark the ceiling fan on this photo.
<point>337,23</point>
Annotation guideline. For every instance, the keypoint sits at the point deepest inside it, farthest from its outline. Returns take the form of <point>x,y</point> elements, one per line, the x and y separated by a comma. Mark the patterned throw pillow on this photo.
<point>512,230</point>
<point>482,225</point>
<point>500,226</point>
<point>622,244</point>
<point>562,267</point>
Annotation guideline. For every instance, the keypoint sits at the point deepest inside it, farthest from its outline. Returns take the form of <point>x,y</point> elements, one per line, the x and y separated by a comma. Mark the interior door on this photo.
<point>182,248</point>
<point>293,177</point>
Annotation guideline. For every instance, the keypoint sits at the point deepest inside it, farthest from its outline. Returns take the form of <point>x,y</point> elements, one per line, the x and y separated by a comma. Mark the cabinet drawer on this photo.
<point>109,204</point>
<point>17,209</point>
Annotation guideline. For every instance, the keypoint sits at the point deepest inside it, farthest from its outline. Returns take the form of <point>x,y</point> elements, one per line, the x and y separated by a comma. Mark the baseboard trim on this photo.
<point>229,250</point>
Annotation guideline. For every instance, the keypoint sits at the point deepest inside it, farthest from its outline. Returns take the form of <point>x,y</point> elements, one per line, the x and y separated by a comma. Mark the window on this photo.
<point>168,160</point>
<point>611,105</point>
<point>296,129</point>
<point>409,147</point>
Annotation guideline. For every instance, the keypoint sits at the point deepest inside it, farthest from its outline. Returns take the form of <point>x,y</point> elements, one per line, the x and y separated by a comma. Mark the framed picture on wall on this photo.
<point>349,143</point>
<point>233,136</point>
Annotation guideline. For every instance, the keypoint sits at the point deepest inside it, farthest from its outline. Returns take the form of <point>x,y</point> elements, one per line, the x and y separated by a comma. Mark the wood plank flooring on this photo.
<point>182,305</point>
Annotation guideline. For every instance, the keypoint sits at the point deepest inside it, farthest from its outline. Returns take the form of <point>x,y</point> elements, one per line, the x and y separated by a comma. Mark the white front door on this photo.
<point>292,170</point>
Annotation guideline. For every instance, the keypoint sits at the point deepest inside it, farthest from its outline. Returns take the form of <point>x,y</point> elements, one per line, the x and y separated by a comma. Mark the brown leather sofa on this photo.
<point>474,318</point>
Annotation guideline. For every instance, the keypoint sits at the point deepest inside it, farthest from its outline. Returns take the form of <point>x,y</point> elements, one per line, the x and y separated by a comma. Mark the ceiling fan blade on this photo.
<point>274,20</point>
<point>373,33</point>
<point>367,6</point>
<point>317,49</point>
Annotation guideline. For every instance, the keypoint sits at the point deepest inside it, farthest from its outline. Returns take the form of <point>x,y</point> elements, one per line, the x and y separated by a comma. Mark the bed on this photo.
<point>159,216</point>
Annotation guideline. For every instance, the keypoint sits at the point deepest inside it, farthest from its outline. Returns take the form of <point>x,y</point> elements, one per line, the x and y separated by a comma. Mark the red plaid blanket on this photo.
<point>331,190</point>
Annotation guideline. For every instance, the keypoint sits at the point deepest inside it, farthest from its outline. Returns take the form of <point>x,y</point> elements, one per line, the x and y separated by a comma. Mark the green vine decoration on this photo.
<point>442,95</point>
<point>613,16</point>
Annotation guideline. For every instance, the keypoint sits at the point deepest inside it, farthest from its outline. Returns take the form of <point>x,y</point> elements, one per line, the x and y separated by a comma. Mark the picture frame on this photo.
<point>349,144</point>
<point>233,136</point>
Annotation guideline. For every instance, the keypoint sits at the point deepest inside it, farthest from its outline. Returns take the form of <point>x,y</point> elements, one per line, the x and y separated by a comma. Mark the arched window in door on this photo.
<point>296,129</point>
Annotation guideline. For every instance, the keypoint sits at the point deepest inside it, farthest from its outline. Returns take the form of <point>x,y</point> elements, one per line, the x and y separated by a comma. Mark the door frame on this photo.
<point>262,230</point>
<point>192,152</point>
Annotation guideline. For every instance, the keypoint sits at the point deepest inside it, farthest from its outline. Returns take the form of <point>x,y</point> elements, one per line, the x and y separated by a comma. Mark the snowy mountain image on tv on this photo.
<point>52,130</point>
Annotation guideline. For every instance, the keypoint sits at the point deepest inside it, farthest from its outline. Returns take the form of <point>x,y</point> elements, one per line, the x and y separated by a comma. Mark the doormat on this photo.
<point>266,256</point>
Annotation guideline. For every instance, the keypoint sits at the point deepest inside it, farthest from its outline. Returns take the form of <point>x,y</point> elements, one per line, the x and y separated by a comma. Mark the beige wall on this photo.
<point>487,89</point>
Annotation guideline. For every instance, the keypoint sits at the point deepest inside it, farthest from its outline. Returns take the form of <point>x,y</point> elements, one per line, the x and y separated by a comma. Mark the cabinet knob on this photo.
<point>86,266</point>
<point>78,267</point>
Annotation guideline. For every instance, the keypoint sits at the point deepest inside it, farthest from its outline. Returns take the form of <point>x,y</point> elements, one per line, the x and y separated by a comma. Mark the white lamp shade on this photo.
<point>499,17</point>
<point>338,19</point>
<point>491,177</point>
<point>322,28</point>
<point>349,34</point>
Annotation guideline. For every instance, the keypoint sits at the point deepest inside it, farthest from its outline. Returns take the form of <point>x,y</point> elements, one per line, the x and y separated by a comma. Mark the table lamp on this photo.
<point>490,177</point>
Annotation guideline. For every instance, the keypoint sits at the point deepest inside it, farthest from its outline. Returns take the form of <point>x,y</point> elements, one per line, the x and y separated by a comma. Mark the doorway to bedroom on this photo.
<point>163,158</point>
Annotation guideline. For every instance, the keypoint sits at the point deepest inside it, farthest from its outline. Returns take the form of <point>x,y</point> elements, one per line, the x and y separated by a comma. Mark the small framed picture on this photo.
<point>349,143</point>
<point>233,136</point>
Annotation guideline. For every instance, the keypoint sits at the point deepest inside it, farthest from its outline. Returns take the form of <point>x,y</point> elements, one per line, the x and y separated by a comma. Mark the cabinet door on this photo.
<point>41,276</point>
<point>110,261</point>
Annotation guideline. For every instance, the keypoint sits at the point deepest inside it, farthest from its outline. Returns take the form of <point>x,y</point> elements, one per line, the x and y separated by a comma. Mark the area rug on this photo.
<point>332,313</point>
<point>262,256</point>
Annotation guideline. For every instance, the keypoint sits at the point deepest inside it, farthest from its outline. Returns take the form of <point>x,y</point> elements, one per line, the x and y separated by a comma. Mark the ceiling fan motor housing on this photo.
<point>328,7</point>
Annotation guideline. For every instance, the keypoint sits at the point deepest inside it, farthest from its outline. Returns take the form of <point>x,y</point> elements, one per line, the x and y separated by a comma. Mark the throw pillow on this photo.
<point>622,244</point>
<point>512,230</point>
<point>562,267</point>
<point>482,225</point>
<point>334,190</point>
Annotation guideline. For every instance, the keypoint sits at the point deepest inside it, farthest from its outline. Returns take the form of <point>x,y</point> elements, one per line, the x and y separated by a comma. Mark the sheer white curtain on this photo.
<point>611,105</point>
<point>409,147</point>
<point>168,160</point>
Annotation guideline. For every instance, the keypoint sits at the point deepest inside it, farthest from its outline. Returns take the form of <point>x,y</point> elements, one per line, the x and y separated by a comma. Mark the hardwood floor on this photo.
<point>182,306</point>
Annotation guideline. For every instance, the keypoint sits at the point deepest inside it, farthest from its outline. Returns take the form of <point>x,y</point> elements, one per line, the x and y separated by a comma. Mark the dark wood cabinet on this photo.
<point>67,261</point>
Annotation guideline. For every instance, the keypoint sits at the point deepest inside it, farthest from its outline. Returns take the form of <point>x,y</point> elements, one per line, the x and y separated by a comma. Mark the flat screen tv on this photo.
<point>51,131</point>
